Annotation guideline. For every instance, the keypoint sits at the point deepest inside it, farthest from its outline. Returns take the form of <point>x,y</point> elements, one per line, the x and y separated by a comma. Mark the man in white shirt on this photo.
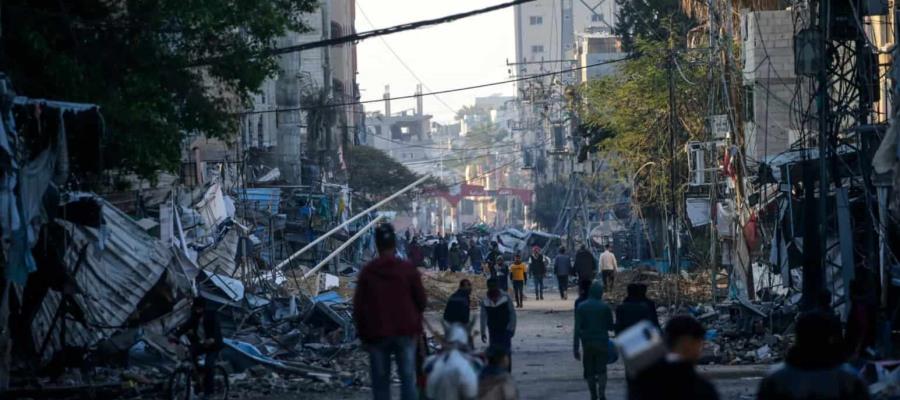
<point>608,266</point>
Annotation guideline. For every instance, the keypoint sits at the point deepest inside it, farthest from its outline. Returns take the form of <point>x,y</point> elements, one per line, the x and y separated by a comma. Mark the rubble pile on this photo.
<point>665,288</point>
<point>440,286</point>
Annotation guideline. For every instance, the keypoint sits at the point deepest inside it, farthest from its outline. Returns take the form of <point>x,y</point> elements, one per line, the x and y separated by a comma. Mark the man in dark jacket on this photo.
<point>593,321</point>
<point>455,258</point>
<point>585,264</point>
<point>476,257</point>
<point>812,367</point>
<point>675,377</point>
<point>537,266</point>
<point>635,308</point>
<point>387,309</point>
<point>442,254</point>
<point>498,318</point>
<point>562,268</point>
<point>459,303</point>
<point>492,256</point>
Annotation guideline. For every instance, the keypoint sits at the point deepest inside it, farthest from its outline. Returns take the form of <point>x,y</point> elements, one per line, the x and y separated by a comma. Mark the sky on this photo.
<point>465,52</point>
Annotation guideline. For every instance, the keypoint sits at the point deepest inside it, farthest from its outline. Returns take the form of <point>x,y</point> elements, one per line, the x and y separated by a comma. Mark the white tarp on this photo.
<point>212,207</point>
<point>698,211</point>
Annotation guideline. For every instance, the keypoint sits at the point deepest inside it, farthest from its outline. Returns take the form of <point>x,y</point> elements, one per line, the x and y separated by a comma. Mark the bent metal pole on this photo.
<point>349,221</point>
<point>343,246</point>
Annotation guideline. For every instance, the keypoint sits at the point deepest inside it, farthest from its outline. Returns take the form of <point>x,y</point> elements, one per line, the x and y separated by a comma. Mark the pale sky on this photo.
<point>466,52</point>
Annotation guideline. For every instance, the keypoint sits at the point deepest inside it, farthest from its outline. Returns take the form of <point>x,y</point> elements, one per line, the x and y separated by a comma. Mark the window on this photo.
<point>536,20</point>
<point>537,49</point>
<point>596,18</point>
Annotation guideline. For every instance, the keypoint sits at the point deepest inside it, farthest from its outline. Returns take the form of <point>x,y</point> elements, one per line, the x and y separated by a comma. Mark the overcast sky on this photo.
<point>466,52</point>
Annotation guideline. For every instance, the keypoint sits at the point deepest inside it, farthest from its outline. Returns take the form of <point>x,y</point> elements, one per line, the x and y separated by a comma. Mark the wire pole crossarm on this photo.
<point>350,221</point>
<point>343,246</point>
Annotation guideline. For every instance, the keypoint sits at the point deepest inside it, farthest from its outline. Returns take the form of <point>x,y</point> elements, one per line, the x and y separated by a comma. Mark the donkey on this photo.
<point>453,372</point>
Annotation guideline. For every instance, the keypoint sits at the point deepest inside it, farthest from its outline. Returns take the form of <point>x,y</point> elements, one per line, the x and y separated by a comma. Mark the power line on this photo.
<point>403,63</point>
<point>460,89</point>
<point>368,34</point>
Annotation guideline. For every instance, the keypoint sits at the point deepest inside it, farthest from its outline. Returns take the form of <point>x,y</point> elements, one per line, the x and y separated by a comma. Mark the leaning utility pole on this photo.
<point>672,220</point>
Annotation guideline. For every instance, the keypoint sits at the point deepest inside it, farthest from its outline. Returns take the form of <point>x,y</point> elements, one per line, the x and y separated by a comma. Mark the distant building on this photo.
<point>275,121</point>
<point>594,48</point>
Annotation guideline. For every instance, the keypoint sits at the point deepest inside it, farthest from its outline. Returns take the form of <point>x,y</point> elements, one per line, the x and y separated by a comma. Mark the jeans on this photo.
<point>502,339</point>
<point>594,360</point>
<point>563,282</point>
<point>403,348</point>
<point>538,287</point>
<point>519,289</point>
<point>609,278</point>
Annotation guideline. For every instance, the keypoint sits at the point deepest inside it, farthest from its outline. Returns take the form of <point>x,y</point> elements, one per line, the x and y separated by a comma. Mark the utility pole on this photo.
<point>714,184</point>
<point>673,123</point>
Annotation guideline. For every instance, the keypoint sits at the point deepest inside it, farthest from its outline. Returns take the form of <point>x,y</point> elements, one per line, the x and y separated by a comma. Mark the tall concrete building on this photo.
<point>275,124</point>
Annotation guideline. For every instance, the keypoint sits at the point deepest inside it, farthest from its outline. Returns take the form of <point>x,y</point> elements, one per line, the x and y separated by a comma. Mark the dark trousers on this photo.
<point>609,278</point>
<point>563,282</point>
<point>503,339</point>
<point>208,370</point>
<point>538,287</point>
<point>519,289</point>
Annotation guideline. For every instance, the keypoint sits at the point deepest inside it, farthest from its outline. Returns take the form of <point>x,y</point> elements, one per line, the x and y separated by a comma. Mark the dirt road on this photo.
<point>544,367</point>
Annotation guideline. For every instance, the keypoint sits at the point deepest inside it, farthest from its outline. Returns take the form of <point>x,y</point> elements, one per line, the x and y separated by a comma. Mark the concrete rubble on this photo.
<point>97,290</point>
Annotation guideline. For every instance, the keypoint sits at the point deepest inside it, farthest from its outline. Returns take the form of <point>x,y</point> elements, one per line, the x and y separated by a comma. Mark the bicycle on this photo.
<point>186,381</point>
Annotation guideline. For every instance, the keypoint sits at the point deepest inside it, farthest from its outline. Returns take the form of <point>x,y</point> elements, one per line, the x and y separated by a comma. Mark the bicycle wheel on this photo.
<point>221,383</point>
<point>180,384</point>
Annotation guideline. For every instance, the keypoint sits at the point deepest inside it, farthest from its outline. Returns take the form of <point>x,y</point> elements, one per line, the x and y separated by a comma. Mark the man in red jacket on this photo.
<point>387,310</point>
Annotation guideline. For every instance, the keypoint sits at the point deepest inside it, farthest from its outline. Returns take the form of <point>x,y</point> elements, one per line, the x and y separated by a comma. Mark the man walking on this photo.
<point>492,257</point>
<point>441,254</point>
<point>476,256</point>
<point>562,268</point>
<point>498,318</point>
<point>675,377</point>
<point>585,264</point>
<point>387,310</point>
<point>635,308</point>
<point>458,305</point>
<point>518,273</point>
<point>537,265</point>
<point>455,258</point>
<point>608,266</point>
<point>593,321</point>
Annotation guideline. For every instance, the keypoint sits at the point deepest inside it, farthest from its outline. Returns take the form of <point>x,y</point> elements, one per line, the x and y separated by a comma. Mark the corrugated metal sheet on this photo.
<point>220,257</point>
<point>121,264</point>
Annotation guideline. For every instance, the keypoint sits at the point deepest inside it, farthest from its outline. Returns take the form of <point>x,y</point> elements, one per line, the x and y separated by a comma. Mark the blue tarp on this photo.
<point>242,355</point>
<point>329,298</point>
<point>266,199</point>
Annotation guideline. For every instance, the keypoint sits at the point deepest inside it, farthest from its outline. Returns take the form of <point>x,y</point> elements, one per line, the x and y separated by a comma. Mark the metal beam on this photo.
<point>350,221</point>
<point>343,246</point>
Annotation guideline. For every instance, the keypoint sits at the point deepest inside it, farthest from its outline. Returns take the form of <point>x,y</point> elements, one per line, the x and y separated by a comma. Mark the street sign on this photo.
<point>808,57</point>
<point>719,126</point>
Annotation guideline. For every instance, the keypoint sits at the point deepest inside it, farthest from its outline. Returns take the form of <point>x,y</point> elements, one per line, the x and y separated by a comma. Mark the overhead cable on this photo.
<point>367,34</point>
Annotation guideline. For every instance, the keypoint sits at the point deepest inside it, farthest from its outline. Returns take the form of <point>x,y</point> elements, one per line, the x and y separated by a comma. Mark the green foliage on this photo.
<point>630,109</point>
<point>131,58</point>
<point>374,175</point>
<point>642,20</point>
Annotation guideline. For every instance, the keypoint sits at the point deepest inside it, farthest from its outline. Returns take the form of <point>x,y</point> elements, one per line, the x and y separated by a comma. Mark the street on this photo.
<point>544,368</point>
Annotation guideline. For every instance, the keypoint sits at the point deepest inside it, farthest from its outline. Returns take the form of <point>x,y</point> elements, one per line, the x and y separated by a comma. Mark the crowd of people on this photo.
<point>390,301</point>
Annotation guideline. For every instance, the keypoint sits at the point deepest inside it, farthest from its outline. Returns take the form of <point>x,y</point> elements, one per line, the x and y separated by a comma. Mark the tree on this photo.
<point>375,175</point>
<point>649,20</point>
<point>629,113</point>
<point>134,58</point>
